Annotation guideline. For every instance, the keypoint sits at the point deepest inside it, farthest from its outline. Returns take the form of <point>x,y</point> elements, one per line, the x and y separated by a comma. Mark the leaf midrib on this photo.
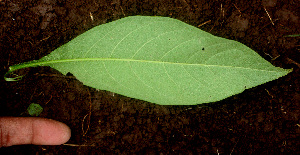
<point>44,63</point>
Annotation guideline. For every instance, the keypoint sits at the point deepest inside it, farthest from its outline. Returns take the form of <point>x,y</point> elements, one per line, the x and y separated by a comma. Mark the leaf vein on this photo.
<point>176,47</point>
<point>152,40</point>
<point>135,30</point>
<point>143,81</point>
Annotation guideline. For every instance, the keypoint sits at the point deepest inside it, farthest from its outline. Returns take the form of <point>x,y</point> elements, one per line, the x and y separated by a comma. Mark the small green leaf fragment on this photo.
<point>292,35</point>
<point>34,109</point>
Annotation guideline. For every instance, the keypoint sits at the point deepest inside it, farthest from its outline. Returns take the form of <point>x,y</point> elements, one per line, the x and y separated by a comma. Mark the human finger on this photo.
<point>32,130</point>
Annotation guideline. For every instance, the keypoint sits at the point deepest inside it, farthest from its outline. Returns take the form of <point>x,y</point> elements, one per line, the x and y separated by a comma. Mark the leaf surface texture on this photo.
<point>160,60</point>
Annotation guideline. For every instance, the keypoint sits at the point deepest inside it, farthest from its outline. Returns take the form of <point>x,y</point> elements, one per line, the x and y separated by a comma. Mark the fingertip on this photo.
<point>50,132</point>
<point>32,130</point>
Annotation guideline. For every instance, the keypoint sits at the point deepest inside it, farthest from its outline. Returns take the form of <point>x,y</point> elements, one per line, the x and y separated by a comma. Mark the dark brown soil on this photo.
<point>262,120</point>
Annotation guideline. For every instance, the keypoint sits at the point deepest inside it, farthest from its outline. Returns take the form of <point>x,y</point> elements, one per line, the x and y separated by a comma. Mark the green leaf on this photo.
<point>34,109</point>
<point>160,60</point>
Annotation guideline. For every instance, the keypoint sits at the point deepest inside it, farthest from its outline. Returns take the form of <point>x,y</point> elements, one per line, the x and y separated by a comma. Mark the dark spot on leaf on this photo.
<point>203,49</point>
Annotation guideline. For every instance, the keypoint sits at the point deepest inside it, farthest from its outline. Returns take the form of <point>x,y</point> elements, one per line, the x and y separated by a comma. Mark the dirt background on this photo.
<point>262,120</point>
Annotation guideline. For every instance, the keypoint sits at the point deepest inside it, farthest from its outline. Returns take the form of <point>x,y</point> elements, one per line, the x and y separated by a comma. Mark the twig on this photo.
<point>46,38</point>
<point>89,117</point>
<point>238,10</point>
<point>269,93</point>
<point>269,16</point>
<point>91,15</point>
<point>293,62</point>
<point>76,145</point>
<point>222,12</point>
<point>48,100</point>
<point>204,23</point>
<point>122,11</point>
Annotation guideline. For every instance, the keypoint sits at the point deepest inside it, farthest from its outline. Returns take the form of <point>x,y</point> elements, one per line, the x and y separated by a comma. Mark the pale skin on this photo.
<point>32,130</point>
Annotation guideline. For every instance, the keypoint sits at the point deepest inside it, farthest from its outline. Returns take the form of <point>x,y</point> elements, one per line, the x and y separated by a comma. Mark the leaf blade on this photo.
<point>161,60</point>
